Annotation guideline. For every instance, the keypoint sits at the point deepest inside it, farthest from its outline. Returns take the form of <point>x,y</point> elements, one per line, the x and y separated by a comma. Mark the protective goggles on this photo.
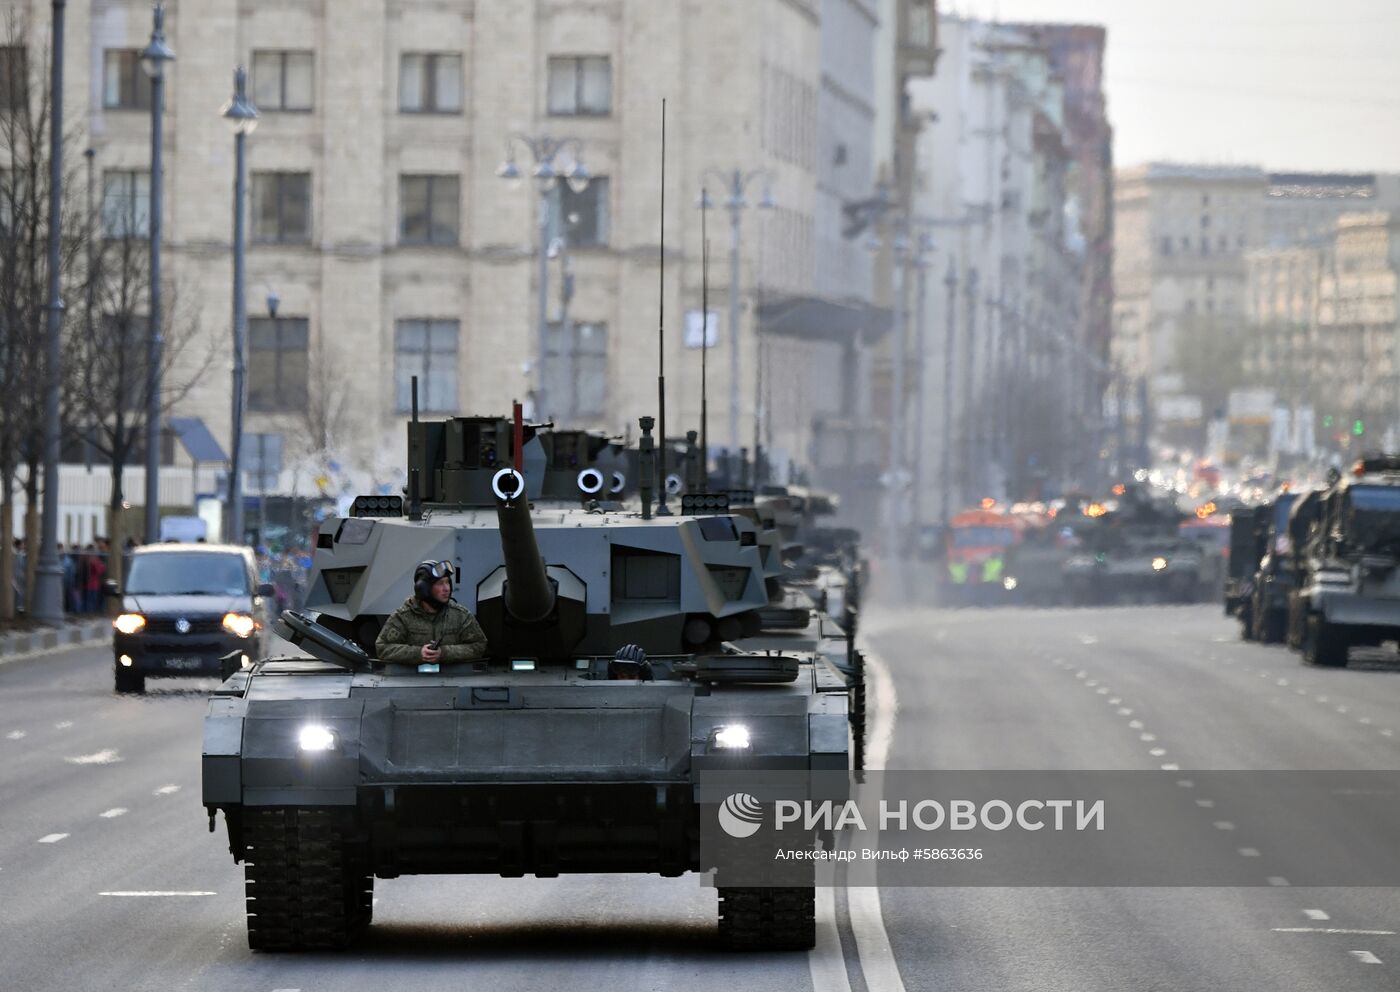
<point>436,569</point>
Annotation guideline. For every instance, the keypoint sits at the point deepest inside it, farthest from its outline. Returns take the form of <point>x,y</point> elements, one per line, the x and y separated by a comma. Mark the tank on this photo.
<point>1134,553</point>
<point>557,753</point>
<point>1349,595</point>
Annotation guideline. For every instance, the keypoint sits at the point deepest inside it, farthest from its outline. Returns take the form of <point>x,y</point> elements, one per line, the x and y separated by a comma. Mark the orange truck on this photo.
<point>975,549</point>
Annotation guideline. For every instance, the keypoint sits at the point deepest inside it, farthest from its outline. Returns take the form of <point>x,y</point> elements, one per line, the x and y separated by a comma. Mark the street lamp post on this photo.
<point>945,501</point>
<point>48,588</point>
<point>543,150</point>
<point>242,118</point>
<point>738,182</point>
<point>923,247</point>
<point>153,60</point>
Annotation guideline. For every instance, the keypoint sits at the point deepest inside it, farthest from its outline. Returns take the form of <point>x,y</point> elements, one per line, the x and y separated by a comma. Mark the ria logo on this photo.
<point>741,815</point>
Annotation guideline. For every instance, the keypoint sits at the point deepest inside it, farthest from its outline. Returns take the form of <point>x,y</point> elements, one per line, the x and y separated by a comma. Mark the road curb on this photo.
<point>29,643</point>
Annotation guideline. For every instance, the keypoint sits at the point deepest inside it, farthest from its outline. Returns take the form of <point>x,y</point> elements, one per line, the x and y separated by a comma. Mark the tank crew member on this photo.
<point>430,626</point>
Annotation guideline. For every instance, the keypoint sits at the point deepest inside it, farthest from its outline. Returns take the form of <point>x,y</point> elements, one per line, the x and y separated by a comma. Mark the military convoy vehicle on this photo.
<point>1266,619</point>
<point>1246,548</point>
<point>577,745</point>
<point>1349,595</point>
<point>1134,553</point>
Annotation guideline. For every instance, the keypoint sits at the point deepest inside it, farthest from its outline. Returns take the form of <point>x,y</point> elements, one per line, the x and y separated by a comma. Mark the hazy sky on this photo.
<point>1285,84</point>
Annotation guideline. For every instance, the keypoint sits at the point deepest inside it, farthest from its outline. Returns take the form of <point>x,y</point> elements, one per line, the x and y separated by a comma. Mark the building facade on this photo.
<point>379,223</point>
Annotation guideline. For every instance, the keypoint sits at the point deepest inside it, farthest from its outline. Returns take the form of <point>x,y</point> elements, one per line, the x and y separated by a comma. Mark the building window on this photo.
<point>576,370</point>
<point>430,83</point>
<point>126,204</point>
<point>282,207</point>
<point>580,85</point>
<point>426,349</point>
<point>282,80</point>
<point>586,213</point>
<point>277,364</point>
<point>429,210</point>
<point>14,77</point>
<point>125,85</point>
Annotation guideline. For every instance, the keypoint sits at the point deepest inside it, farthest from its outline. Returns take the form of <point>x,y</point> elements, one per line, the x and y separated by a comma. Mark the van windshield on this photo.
<point>193,574</point>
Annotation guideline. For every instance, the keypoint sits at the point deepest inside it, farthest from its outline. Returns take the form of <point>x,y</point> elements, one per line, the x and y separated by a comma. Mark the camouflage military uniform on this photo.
<point>410,627</point>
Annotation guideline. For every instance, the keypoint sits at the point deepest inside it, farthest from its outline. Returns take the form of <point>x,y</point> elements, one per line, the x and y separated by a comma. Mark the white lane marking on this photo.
<point>1081,674</point>
<point>1316,914</point>
<point>1365,957</point>
<point>1147,738</point>
<point>1124,711</point>
<point>1224,825</point>
<point>1322,699</point>
<point>112,813</point>
<point>1301,692</point>
<point>107,756</point>
<point>1278,881</point>
<point>1157,752</point>
<point>1365,721</point>
<point>825,962</point>
<point>1282,683</point>
<point>167,790</point>
<point>1387,732</point>
<point>1186,783</point>
<point>867,924</point>
<point>1249,852</point>
<point>1088,639</point>
<point>1369,933</point>
<point>1091,683</point>
<point>63,725</point>
<point>1171,766</point>
<point>51,838</point>
<point>1342,709</point>
<point>1206,803</point>
<point>1103,690</point>
<point>1135,724</point>
<point>16,735</point>
<point>154,894</point>
<point>1115,701</point>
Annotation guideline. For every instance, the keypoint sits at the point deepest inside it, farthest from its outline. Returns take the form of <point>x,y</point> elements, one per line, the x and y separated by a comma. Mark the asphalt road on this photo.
<point>100,795</point>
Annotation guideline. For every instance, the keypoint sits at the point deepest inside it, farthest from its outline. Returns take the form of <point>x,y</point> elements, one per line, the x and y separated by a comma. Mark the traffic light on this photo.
<point>1327,422</point>
<point>1358,427</point>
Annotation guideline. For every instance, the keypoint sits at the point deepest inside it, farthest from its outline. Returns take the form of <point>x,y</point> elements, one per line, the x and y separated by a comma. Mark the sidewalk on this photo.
<point>23,644</point>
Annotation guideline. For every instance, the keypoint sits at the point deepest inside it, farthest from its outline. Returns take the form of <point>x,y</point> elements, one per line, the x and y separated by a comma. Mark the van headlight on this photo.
<point>129,623</point>
<point>316,737</point>
<point>238,624</point>
<point>1159,564</point>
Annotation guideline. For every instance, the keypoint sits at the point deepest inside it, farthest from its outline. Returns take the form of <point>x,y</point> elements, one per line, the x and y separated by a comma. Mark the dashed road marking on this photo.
<point>16,735</point>
<point>1135,724</point>
<point>1206,803</point>
<point>1114,701</point>
<point>1091,683</point>
<point>1157,752</point>
<point>1123,710</point>
<point>1365,957</point>
<point>112,813</point>
<point>1387,732</point>
<point>1365,721</point>
<point>1147,738</point>
<point>1088,639</point>
<point>1301,692</point>
<point>1249,852</point>
<point>1368,933</point>
<point>1343,709</point>
<point>167,790</point>
<point>1278,881</point>
<point>1103,690</point>
<point>1171,766</point>
<point>154,894</point>
<point>1224,825</point>
<point>107,756</point>
<point>1186,783</point>
<point>1283,683</point>
<point>1316,914</point>
<point>1322,699</point>
<point>63,725</point>
<point>51,838</point>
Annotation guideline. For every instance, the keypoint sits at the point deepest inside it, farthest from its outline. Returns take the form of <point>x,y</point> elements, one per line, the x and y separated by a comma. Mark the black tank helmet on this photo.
<point>426,575</point>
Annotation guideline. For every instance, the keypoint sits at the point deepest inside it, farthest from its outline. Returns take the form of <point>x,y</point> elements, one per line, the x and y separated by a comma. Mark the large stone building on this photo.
<point>378,220</point>
<point>1014,193</point>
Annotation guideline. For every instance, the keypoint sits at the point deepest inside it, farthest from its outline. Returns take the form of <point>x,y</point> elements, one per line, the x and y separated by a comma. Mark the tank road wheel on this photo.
<point>1323,644</point>
<point>303,891</point>
<point>768,919</point>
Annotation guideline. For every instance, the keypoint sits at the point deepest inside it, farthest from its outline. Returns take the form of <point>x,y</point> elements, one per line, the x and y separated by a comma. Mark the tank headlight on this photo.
<point>1159,564</point>
<point>730,737</point>
<point>316,737</point>
<point>1009,583</point>
<point>129,623</point>
<point>239,624</point>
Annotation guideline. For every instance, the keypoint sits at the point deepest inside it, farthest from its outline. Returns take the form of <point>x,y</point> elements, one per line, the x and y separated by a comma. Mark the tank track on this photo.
<point>768,919</point>
<point>303,890</point>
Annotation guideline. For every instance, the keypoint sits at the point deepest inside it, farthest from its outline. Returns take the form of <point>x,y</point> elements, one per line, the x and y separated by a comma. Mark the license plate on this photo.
<point>184,664</point>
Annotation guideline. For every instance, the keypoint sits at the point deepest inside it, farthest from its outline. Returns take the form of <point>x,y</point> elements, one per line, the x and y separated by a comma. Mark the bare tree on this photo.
<point>106,381</point>
<point>24,228</point>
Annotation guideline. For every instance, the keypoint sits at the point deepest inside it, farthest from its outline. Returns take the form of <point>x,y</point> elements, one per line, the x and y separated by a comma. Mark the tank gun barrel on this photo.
<point>529,593</point>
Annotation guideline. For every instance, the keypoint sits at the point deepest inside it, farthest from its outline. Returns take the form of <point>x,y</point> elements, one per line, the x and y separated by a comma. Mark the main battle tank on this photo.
<point>556,753</point>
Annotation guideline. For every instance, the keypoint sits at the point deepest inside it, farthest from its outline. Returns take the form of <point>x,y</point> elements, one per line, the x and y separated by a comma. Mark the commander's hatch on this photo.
<point>302,630</point>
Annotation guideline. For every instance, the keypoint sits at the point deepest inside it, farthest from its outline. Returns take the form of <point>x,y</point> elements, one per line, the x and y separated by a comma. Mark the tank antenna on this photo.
<point>518,435</point>
<point>415,506</point>
<point>704,342</point>
<point>661,509</point>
